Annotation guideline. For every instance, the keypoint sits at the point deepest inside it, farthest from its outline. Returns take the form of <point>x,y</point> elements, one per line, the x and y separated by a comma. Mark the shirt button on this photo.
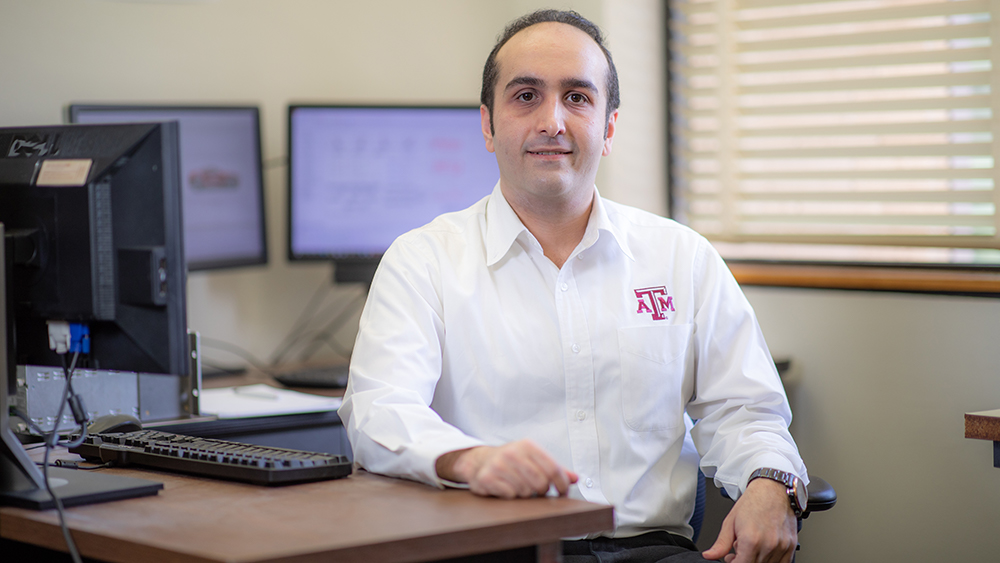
<point>579,256</point>
<point>564,287</point>
<point>589,482</point>
<point>576,348</point>
<point>581,415</point>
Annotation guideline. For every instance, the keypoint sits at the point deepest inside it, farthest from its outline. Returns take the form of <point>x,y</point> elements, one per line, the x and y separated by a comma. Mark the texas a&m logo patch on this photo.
<point>655,301</point>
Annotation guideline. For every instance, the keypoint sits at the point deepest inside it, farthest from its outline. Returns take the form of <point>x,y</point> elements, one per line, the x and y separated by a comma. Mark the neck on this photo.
<point>558,226</point>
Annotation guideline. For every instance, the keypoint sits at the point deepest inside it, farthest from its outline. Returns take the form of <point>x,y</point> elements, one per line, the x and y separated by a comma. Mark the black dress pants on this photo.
<point>652,547</point>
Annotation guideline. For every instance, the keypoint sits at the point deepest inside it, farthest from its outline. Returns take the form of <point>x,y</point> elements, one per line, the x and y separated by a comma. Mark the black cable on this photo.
<point>305,317</point>
<point>50,443</point>
<point>31,424</point>
<point>35,429</point>
<point>218,368</point>
<point>249,357</point>
<point>236,350</point>
<point>296,334</point>
<point>319,337</point>
<point>330,329</point>
<point>75,465</point>
<point>338,348</point>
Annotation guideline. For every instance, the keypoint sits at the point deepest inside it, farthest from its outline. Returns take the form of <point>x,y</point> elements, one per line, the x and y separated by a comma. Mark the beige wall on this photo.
<point>883,382</point>
<point>883,379</point>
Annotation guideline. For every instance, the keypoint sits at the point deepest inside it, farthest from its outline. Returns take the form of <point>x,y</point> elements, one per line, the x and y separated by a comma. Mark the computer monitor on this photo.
<point>221,177</point>
<point>22,483</point>
<point>93,225</point>
<point>90,220</point>
<point>360,176</point>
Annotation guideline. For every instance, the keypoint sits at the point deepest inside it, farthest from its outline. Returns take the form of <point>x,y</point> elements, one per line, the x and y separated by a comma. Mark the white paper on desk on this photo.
<point>262,400</point>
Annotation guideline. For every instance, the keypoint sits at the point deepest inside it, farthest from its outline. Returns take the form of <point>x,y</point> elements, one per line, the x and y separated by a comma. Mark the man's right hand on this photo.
<point>516,470</point>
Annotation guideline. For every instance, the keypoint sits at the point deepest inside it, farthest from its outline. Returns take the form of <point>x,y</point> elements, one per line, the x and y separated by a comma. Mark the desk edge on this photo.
<point>983,425</point>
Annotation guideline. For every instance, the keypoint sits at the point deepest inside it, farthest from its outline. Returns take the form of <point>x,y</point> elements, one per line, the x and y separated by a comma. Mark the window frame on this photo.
<point>980,280</point>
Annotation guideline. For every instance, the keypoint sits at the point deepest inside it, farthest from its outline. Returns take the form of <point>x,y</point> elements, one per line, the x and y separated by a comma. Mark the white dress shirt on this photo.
<point>471,336</point>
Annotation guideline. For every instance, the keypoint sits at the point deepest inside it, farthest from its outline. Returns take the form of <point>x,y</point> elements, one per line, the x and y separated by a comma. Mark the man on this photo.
<point>548,339</point>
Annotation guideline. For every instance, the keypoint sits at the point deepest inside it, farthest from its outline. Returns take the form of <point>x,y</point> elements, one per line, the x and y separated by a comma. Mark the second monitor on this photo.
<point>221,177</point>
<point>360,176</point>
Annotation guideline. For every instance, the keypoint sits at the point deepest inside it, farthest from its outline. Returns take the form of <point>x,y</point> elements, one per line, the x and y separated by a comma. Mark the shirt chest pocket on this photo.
<point>654,360</point>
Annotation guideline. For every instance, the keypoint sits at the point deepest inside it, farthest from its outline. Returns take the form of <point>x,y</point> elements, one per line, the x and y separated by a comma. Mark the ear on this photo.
<point>612,119</point>
<point>484,118</point>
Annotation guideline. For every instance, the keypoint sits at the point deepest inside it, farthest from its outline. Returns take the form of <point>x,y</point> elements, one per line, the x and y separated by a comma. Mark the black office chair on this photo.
<point>822,497</point>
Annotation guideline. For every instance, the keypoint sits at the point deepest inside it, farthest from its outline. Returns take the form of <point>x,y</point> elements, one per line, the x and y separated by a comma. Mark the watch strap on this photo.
<point>793,486</point>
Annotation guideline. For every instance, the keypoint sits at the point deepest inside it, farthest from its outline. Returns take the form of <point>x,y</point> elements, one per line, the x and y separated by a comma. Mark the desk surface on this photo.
<point>361,518</point>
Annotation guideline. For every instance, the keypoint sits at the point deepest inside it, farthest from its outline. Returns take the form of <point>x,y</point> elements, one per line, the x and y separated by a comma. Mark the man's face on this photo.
<point>549,113</point>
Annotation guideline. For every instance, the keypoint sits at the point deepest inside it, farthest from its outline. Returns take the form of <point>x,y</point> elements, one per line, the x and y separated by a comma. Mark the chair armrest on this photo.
<point>821,495</point>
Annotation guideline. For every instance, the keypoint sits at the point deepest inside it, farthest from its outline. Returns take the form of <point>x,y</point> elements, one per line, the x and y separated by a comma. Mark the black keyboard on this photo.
<point>330,377</point>
<point>212,458</point>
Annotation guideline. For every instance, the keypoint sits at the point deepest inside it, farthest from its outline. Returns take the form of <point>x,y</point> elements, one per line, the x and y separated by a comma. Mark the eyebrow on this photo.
<point>568,83</point>
<point>579,84</point>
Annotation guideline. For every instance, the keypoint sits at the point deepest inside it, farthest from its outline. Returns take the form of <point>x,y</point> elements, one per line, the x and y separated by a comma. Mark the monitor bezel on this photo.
<point>123,339</point>
<point>353,266</point>
<point>74,109</point>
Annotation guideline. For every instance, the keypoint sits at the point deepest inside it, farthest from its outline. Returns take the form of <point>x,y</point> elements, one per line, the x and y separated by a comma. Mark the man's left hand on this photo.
<point>761,527</point>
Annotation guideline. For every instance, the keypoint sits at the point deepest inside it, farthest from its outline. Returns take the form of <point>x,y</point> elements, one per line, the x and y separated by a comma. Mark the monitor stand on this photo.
<point>73,486</point>
<point>356,269</point>
<point>21,481</point>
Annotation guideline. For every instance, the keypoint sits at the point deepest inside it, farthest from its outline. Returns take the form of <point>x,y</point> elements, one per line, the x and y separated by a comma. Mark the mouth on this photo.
<point>550,153</point>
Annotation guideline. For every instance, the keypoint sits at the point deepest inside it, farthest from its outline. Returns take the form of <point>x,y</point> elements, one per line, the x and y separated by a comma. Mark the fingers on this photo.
<point>768,551</point>
<point>760,528</point>
<point>545,472</point>
<point>519,469</point>
<point>724,543</point>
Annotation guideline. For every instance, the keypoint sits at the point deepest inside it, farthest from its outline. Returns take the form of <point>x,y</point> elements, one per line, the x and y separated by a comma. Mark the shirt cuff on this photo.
<point>770,460</point>
<point>452,484</point>
<point>429,454</point>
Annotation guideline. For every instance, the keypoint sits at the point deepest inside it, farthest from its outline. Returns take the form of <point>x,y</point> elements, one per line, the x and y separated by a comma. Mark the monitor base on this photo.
<point>77,487</point>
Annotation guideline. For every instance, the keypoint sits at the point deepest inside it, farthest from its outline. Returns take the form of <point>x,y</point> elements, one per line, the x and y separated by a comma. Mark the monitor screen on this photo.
<point>93,237</point>
<point>361,176</point>
<point>221,177</point>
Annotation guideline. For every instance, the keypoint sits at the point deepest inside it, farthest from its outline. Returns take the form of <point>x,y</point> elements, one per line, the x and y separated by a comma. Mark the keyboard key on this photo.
<point>213,458</point>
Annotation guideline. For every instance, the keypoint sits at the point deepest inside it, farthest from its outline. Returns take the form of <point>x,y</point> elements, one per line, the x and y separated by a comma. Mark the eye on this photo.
<point>577,98</point>
<point>526,96</point>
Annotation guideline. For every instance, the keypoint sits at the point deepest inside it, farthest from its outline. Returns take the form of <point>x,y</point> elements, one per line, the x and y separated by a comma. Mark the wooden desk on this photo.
<point>362,518</point>
<point>985,425</point>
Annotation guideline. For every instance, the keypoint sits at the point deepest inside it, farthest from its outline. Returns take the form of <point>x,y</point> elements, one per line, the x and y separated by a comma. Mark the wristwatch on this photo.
<point>797,493</point>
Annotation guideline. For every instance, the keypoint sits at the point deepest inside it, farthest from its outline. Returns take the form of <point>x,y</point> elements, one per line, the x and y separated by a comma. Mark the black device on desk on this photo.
<point>114,423</point>
<point>322,377</point>
<point>208,457</point>
<point>92,250</point>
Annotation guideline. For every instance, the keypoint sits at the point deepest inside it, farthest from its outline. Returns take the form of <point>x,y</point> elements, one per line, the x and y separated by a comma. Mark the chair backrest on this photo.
<point>699,507</point>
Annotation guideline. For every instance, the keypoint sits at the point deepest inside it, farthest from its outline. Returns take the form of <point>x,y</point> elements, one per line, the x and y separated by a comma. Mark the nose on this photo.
<point>551,118</point>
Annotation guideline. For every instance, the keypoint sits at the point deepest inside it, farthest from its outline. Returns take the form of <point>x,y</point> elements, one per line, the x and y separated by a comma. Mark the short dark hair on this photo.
<point>491,71</point>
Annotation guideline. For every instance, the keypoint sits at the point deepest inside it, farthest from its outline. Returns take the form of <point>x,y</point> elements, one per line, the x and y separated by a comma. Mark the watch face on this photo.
<point>797,492</point>
<point>801,494</point>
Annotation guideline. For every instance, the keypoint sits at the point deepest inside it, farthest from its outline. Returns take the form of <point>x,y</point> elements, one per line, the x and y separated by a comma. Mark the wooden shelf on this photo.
<point>865,278</point>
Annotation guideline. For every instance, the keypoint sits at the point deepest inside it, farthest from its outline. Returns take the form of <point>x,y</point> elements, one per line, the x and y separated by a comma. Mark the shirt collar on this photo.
<point>600,220</point>
<point>503,227</point>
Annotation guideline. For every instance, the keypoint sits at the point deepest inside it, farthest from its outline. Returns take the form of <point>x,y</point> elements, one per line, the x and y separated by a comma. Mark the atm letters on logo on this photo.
<point>654,301</point>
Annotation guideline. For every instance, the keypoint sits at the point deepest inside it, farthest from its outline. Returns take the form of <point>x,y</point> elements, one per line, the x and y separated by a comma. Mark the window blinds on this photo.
<point>837,130</point>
